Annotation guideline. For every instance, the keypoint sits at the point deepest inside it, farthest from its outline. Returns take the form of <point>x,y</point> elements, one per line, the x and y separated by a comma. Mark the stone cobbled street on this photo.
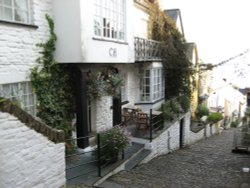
<point>206,164</point>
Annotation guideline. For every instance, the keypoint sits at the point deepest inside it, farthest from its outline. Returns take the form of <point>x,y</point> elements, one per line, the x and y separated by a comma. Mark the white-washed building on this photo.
<point>22,26</point>
<point>103,33</point>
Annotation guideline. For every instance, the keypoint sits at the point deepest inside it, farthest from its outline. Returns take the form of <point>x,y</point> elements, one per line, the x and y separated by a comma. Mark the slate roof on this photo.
<point>173,13</point>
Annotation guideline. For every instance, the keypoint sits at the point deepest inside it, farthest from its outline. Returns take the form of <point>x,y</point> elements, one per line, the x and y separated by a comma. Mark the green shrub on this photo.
<point>214,117</point>
<point>185,103</point>
<point>113,142</point>
<point>235,123</point>
<point>167,111</point>
<point>175,106</point>
<point>201,111</point>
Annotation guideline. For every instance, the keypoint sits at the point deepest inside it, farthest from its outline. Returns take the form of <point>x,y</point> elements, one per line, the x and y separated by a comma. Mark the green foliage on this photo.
<point>113,142</point>
<point>2,99</point>
<point>214,117</point>
<point>184,102</point>
<point>202,110</point>
<point>175,106</point>
<point>103,83</point>
<point>168,114</point>
<point>247,112</point>
<point>179,70</point>
<point>235,123</point>
<point>52,84</point>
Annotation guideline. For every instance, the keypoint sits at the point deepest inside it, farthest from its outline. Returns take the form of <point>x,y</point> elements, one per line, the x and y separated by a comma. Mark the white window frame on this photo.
<point>20,93</point>
<point>152,85</point>
<point>15,11</point>
<point>109,19</point>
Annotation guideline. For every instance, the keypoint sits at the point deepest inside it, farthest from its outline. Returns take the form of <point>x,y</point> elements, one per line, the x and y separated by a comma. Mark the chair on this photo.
<point>127,117</point>
<point>141,121</point>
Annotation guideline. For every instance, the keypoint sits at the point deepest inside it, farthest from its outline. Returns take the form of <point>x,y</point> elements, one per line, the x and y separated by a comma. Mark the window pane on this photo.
<point>21,16</point>
<point>21,4</point>
<point>6,2</point>
<point>7,14</point>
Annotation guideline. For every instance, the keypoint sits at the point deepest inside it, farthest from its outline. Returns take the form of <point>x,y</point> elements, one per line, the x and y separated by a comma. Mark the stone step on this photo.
<point>135,160</point>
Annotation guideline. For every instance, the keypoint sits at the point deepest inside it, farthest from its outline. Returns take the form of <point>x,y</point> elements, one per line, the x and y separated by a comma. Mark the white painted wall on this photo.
<point>18,51</point>
<point>27,158</point>
<point>140,22</point>
<point>77,24</point>
<point>169,140</point>
<point>103,114</point>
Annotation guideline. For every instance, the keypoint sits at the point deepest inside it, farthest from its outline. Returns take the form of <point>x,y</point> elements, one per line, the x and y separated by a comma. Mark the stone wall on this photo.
<point>169,140</point>
<point>18,51</point>
<point>195,137</point>
<point>103,114</point>
<point>32,154</point>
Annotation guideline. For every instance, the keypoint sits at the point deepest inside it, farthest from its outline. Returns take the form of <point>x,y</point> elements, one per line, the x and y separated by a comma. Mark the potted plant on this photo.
<point>112,143</point>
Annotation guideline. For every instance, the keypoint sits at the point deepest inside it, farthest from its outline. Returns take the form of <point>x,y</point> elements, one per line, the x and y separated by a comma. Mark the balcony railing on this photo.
<point>147,50</point>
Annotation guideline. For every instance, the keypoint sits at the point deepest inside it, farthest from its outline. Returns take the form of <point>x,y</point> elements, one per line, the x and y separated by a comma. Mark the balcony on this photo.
<point>148,50</point>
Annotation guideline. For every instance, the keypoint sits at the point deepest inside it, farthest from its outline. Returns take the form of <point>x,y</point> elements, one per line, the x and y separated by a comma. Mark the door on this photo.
<point>181,133</point>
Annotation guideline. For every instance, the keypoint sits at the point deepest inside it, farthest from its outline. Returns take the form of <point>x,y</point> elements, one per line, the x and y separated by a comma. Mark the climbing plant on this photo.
<point>52,84</point>
<point>103,83</point>
<point>178,69</point>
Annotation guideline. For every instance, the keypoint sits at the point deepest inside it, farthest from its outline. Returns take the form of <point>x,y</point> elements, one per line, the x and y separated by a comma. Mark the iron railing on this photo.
<point>156,122</point>
<point>148,50</point>
<point>86,162</point>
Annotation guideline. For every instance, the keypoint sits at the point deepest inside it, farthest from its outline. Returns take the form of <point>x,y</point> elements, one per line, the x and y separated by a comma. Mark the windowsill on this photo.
<point>109,40</point>
<point>149,102</point>
<point>19,24</point>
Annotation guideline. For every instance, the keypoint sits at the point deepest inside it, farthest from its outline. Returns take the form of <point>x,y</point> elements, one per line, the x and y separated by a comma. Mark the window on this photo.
<point>152,85</point>
<point>20,93</point>
<point>15,11</point>
<point>109,19</point>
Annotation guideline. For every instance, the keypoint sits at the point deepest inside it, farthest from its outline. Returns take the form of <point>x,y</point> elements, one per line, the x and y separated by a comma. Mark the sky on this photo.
<point>220,28</point>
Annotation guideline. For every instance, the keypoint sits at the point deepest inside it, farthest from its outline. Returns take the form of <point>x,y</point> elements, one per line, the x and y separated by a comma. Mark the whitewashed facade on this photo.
<point>22,26</point>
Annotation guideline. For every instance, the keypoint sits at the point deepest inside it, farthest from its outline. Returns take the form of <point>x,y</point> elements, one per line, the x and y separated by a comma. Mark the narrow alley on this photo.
<point>208,163</point>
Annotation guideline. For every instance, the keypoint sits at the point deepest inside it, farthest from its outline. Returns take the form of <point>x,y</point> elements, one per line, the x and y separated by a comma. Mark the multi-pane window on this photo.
<point>145,86</point>
<point>152,85</point>
<point>15,10</point>
<point>21,94</point>
<point>109,19</point>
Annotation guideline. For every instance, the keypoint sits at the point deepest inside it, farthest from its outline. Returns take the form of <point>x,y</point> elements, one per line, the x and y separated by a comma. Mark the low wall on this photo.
<point>169,140</point>
<point>195,137</point>
<point>29,158</point>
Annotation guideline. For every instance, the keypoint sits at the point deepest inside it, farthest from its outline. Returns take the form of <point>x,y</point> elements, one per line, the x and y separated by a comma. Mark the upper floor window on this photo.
<point>109,19</point>
<point>15,11</point>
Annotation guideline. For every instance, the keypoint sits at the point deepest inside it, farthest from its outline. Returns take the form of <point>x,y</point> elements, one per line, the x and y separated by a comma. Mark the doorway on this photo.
<point>181,133</point>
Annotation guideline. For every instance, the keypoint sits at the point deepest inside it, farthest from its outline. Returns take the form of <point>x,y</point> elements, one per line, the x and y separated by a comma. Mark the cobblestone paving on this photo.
<point>206,164</point>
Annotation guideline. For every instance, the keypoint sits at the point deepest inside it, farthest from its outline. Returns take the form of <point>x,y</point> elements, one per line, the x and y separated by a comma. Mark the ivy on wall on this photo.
<point>52,84</point>
<point>178,69</point>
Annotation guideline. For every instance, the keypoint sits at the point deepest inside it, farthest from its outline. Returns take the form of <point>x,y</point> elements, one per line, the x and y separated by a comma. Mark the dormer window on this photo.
<point>15,11</point>
<point>109,19</point>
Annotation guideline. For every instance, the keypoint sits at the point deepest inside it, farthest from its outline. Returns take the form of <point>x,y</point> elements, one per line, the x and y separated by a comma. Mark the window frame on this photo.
<point>22,94</point>
<point>14,9</point>
<point>152,85</point>
<point>110,20</point>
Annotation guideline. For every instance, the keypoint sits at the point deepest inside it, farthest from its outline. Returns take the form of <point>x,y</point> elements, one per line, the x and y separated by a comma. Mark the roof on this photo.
<point>175,14</point>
